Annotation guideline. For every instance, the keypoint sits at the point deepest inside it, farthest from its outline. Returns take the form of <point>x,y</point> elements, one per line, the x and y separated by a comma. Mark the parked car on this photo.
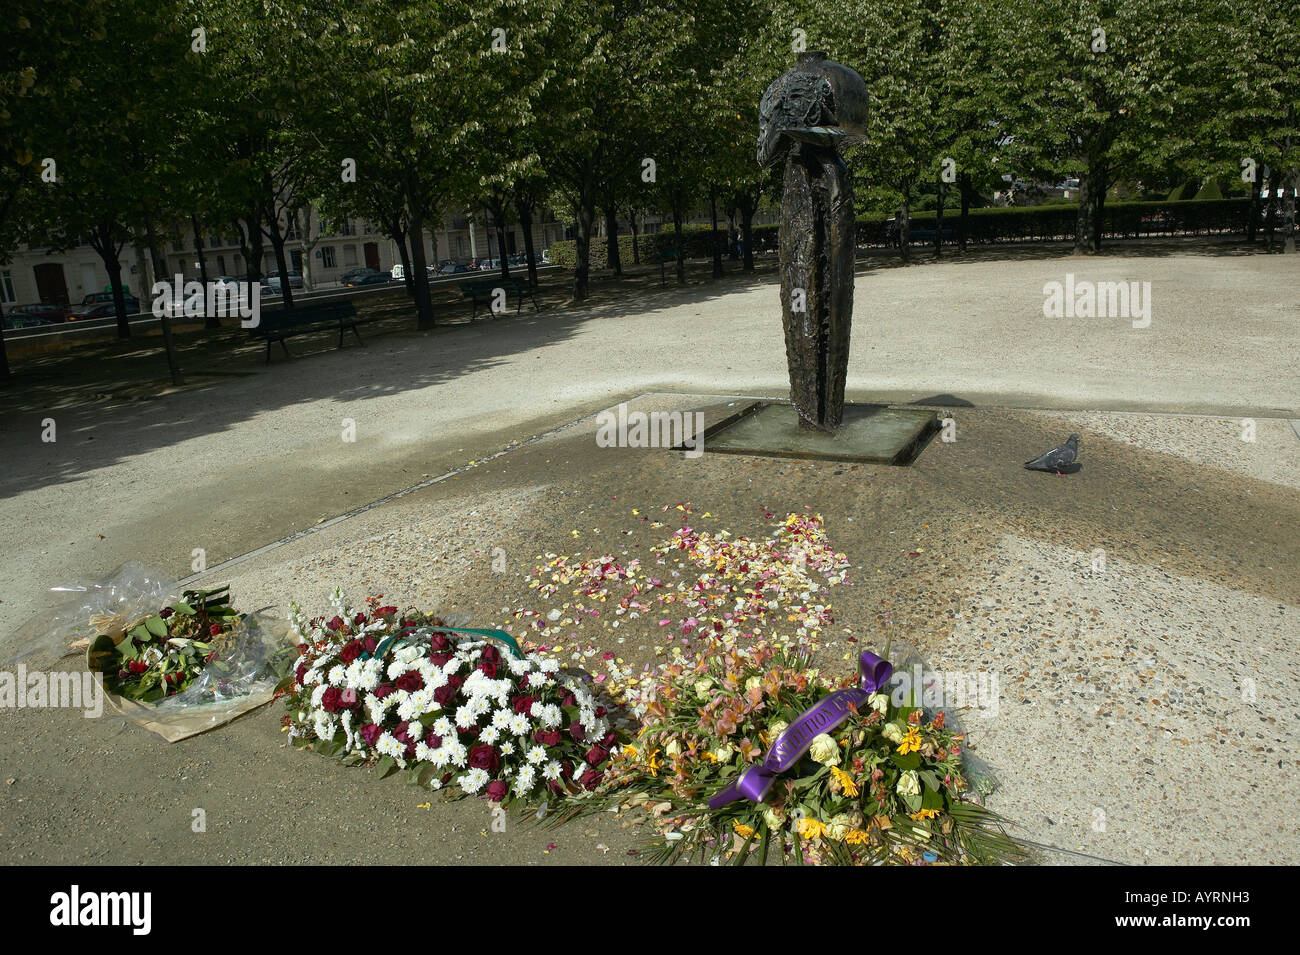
<point>373,278</point>
<point>454,268</point>
<point>351,275</point>
<point>42,310</point>
<point>100,305</point>
<point>273,281</point>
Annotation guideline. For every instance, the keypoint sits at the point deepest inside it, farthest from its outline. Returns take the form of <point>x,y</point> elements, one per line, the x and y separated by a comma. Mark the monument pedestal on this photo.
<point>879,434</point>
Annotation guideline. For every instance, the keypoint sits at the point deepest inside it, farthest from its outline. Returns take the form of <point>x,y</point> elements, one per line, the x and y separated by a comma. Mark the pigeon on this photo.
<point>1058,458</point>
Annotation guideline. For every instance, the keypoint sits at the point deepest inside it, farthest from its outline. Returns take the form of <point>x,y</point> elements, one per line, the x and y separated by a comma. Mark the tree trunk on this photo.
<point>103,242</point>
<point>281,263</point>
<point>1099,210</point>
<point>746,203</point>
<point>209,321</point>
<point>1252,213</point>
<point>678,244</point>
<point>404,252</point>
<point>636,237</point>
<point>498,210</point>
<point>1083,220</point>
<point>938,224</point>
<point>586,215</point>
<point>423,300</point>
<point>524,209</point>
<point>612,255</point>
<point>905,224</point>
<point>250,243</point>
<point>1289,183</point>
<point>963,181</point>
<point>715,246</point>
<point>159,270</point>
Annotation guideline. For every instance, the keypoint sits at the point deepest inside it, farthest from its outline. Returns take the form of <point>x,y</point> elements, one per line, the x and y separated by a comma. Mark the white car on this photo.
<point>398,272</point>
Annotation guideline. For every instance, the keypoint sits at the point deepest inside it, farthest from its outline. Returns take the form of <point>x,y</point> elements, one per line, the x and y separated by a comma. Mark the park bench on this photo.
<point>927,235</point>
<point>277,326</point>
<point>483,290</point>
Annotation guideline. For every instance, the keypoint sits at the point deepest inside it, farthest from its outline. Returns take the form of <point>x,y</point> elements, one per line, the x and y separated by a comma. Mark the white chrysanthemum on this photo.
<point>452,666</point>
<point>519,724</point>
<point>537,755</point>
<point>442,727</point>
<point>338,675</point>
<point>466,718</point>
<point>489,734</point>
<point>376,708</point>
<point>390,745</point>
<point>474,780</point>
<point>507,748</point>
<point>525,780</point>
<point>551,716</point>
<point>501,719</point>
<point>519,667</point>
<point>415,729</point>
<point>552,770</point>
<point>317,695</point>
<point>324,726</point>
<point>456,752</point>
<point>549,665</point>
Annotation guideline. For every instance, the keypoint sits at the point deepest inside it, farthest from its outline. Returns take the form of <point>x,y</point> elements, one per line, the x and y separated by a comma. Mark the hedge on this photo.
<point>1131,219</point>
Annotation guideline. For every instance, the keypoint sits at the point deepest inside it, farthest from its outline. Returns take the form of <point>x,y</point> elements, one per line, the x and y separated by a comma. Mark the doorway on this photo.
<point>372,255</point>
<point>51,286</point>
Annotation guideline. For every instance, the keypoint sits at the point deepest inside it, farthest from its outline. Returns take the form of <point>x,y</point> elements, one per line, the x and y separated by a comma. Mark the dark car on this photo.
<point>374,278</point>
<point>100,305</point>
<point>273,281</point>
<point>42,310</point>
<point>453,268</point>
<point>351,275</point>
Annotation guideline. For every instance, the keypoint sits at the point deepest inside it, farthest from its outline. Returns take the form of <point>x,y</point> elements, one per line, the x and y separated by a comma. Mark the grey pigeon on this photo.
<point>1057,459</point>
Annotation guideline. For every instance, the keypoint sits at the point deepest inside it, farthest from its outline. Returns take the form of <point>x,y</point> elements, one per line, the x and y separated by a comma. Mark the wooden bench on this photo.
<point>484,290</point>
<point>277,326</point>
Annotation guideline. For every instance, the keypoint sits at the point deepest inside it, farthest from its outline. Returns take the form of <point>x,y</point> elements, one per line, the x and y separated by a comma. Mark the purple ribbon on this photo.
<point>822,717</point>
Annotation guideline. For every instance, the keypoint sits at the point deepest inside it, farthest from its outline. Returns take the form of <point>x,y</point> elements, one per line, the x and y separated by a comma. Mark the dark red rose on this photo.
<point>568,700</point>
<point>351,650</point>
<point>591,778</point>
<point>368,644</point>
<point>409,752</point>
<point>385,611</point>
<point>484,756</point>
<point>137,666</point>
<point>496,790</point>
<point>444,695</point>
<point>577,731</point>
<point>596,755</point>
<point>439,659</point>
<point>457,681</point>
<point>335,623</point>
<point>600,711</point>
<point>433,741</point>
<point>566,769</point>
<point>547,737</point>
<point>489,669</point>
<point>402,732</point>
<point>446,778</point>
<point>523,704</point>
<point>439,642</point>
<point>610,738</point>
<point>555,787</point>
<point>359,619</point>
<point>215,630</point>
<point>523,682</point>
<point>471,733</point>
<point>301,673</point>
<point>166,612</point>
<point>491,655</point>
<point>370,733</point>
<point>410,681</point>
<point>330,701</point>
<point>383,690</point>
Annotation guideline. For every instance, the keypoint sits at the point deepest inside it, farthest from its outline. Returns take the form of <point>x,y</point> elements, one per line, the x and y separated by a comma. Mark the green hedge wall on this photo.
<point>994,224</point>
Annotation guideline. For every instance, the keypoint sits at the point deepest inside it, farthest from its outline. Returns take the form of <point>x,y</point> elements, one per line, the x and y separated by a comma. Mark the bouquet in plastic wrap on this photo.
<point>175,661</point>
<point>750,753</point>
<point>460,709</point>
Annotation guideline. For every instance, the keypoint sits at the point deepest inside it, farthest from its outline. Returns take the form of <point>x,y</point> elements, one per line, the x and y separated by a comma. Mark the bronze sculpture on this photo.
<point>806,117</point>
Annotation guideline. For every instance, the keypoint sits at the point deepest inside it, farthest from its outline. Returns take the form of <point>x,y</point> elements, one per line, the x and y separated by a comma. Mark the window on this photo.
<point>366,228</point>
<point>221,265</point>
<point>291,227</point>
<point>295,260</point>
<point>7,288</point>
<point>349,255</point>
<point>327,256</point>
<point>347,228</point>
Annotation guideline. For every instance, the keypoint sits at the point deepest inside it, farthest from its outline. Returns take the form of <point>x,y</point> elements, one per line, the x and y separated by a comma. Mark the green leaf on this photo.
<point>385,766</point>
<point>156,626</point>
<point>905,762</point>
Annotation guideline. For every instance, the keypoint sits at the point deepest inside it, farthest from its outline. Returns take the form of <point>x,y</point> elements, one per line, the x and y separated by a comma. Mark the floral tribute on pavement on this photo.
<point>406,691</point>
<point>747,752</point>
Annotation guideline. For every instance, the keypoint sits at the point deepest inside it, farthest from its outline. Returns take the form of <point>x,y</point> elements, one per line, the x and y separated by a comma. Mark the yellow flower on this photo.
<point>857,837</point>
<point>811,828</point>
<point>911,742</point>
<point>652,763</point>
<point>925,814</point>
<point>630,751</point>
<point>742,830</point>
<point>845,780</point>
